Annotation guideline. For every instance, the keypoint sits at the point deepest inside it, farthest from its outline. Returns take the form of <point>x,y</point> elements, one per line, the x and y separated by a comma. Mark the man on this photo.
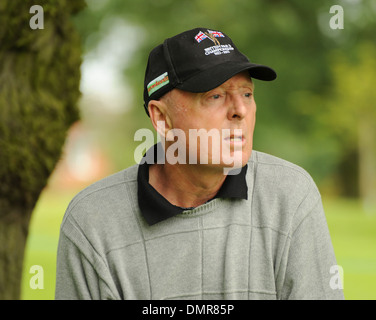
<point>179,227</point>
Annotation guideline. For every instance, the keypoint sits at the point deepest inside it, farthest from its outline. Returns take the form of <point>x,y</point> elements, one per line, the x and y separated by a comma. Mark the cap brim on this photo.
<point>213,77</point>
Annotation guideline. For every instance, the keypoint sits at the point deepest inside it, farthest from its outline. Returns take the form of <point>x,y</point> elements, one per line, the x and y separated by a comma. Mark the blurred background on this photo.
<point>320,112</point>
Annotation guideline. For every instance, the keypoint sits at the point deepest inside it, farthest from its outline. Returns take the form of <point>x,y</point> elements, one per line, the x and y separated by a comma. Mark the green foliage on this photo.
<point>293,37</point>
<point>343,118</point>
<point>353,96</point>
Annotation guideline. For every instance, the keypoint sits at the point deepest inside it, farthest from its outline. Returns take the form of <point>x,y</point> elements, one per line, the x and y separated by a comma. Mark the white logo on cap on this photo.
<point>217,50</point>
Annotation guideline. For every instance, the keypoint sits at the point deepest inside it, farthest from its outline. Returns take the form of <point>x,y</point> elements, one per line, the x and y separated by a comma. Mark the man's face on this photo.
<point>227,113</point>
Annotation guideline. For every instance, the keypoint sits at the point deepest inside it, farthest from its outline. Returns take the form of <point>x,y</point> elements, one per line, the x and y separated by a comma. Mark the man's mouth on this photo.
<point>235,139</point>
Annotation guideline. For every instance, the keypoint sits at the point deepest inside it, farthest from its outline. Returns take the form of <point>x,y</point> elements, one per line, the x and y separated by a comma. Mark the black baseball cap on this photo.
<point>196,60</point>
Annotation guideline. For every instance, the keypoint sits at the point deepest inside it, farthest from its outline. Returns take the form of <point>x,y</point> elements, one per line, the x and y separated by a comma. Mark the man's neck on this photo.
<point>186,186</point>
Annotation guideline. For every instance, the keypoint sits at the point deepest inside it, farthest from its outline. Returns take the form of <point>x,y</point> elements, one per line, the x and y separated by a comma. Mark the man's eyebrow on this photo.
<point>250,84</point>
<point>247,85</point>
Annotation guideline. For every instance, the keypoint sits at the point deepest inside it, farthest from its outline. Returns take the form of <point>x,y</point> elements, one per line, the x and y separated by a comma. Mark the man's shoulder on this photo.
<point>282,192</point>
<point>104,215</point>
<point>106,193</point>
<point>112,181</point>
<point>275,166</point>
<point>278,178</point>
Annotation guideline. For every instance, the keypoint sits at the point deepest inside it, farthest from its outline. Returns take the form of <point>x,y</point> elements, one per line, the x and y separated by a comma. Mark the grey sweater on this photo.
<point>275,245</point>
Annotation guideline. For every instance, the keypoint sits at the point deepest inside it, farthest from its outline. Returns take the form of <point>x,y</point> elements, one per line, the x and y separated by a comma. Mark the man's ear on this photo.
<point>159,117</point>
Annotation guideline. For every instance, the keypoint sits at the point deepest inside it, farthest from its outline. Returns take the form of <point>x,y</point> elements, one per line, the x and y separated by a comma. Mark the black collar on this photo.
<point>155,208</point>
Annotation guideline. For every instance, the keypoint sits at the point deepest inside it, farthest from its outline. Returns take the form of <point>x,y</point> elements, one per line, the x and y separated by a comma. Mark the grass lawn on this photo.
<point>354,239</point>
<point>42,243</point>
<point>353,234</point>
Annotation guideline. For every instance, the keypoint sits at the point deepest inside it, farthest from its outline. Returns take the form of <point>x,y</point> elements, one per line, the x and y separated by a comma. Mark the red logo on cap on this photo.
<point>212,35</point>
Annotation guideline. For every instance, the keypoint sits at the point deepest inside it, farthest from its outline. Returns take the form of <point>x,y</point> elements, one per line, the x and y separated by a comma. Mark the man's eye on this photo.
<point>248,94</point>
<point>216,96</point>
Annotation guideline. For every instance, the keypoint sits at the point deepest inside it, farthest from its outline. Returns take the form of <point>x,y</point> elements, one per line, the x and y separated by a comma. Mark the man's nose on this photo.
<point>237,108</point>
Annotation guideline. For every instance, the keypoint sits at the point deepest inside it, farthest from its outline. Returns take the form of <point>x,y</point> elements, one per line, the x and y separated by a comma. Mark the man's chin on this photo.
<point>234,162</point>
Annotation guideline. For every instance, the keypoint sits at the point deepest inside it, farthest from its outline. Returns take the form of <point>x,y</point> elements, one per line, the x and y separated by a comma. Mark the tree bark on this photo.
<point>13,234</point>
<point>39,90</point>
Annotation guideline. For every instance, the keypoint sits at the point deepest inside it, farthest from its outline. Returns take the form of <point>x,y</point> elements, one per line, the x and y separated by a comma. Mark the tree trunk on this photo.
<point>39,90</point>
<point>13,234</point>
